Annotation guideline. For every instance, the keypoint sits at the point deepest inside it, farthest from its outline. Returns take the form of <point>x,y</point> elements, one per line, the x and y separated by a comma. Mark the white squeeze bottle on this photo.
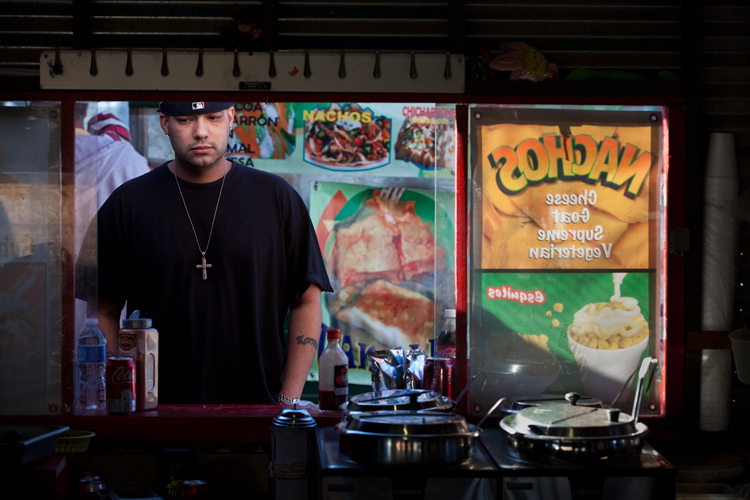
<point>333,386</point>
<point>91,351</point>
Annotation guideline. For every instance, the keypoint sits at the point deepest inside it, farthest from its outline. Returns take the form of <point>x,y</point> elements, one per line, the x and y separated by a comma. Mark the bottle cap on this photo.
<point>92,321</point>
<point>449,313</point>
<point>134,321</point>
<point>334,333</point>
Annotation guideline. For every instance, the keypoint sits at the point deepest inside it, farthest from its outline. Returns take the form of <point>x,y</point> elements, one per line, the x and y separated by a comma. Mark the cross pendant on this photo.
<point>203,266</point>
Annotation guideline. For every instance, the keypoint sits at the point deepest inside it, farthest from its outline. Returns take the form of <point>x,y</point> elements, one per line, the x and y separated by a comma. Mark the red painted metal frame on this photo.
<point>461,244</point>
<point>179,423</point>
<point>668,428</point>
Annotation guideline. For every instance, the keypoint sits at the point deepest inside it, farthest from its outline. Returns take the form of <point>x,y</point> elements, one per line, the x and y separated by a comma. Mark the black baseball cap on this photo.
<point>192,108</point>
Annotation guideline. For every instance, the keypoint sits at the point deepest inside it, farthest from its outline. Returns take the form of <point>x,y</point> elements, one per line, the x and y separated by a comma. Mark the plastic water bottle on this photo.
<point>91,396</point>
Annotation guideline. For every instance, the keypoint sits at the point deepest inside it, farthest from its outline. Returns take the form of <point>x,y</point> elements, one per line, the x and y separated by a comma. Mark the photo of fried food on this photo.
<point>395,315</point>
<point>427,142</point>
<point>382,261</point>
<point>389,241</point>
<point>365,250</point>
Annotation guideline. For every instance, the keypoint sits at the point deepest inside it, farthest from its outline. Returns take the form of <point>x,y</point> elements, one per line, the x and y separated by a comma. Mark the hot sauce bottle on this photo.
<point>333,387</point>
<point>140,341</point>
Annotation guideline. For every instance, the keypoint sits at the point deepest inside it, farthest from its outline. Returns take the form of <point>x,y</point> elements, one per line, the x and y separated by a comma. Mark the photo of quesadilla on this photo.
<point>386,240</point>
<point>382,257</point>
<point>399,317</point>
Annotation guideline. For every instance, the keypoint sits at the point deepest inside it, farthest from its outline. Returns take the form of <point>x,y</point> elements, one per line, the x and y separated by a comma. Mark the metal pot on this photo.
<point>508,406</point>
<point>550,433</point>
<point>399,399</point>
<point>555,433</point>
<point>406,438</point>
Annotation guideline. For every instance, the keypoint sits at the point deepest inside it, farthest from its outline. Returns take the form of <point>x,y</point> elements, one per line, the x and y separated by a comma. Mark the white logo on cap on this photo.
<point>198,105</point>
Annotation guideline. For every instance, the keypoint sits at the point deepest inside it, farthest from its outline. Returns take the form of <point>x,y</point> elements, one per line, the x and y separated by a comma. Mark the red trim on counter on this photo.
<point>178,423</point>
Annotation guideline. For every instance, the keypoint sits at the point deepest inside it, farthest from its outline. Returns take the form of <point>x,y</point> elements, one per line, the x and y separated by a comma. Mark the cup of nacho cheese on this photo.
<point>607,340</point>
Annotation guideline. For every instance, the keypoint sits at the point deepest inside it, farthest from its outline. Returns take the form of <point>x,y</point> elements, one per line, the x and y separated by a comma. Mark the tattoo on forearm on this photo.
<point>302,340</point>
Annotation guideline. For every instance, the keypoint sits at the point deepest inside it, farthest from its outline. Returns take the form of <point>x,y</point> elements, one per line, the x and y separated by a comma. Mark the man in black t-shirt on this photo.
<point>215,254</point>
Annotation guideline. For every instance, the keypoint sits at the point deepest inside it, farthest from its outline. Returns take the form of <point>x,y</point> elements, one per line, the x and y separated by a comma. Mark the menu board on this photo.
<point>567,247</point>
<point>390,269</point>
<point>378,139</point>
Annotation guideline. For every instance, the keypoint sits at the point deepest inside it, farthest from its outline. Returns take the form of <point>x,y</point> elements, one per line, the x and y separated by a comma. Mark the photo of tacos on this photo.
<point>346,137</point>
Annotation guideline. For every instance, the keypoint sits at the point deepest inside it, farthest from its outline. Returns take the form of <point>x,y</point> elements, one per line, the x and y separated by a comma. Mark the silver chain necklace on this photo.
<point>202,266</point>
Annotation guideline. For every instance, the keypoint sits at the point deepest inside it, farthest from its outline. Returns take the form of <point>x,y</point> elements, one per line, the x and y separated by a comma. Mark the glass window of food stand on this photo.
<point>31,257</point>
<point>568,242</point>
<point>390,258</point>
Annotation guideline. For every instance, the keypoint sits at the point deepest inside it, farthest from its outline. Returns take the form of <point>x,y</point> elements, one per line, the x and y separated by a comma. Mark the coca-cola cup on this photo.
<point>439,375</point>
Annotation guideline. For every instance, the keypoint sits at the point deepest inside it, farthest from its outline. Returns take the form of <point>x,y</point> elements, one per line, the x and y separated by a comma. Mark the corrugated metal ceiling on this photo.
<point>633,35</point>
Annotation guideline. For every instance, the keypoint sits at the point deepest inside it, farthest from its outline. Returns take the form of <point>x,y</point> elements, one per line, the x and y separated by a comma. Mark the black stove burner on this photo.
<point>493,473</point>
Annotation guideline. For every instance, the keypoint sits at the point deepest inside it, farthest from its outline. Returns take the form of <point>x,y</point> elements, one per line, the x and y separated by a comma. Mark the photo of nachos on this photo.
<point>347,137</point>
<point>524,230</point>
<point>427,142</point>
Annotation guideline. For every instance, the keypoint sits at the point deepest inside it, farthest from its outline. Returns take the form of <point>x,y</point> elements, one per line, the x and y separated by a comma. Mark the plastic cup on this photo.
<point>721,160</point>
<point>604,372</point>
<point>741,350</point>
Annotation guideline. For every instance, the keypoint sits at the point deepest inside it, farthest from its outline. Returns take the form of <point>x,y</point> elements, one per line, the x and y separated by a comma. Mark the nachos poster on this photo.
<point>391,264</point>
<point>567,249</point>
<point>377,139</point>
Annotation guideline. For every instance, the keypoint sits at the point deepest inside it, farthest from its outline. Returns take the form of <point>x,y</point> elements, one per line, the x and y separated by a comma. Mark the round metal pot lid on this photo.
<point>406,424</point>
<point>568,421</point>
<point>398,399</point>
<point>517,404</point>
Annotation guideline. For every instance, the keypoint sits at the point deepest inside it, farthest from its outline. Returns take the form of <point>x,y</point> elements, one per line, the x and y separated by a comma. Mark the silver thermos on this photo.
<point>292,444</point>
